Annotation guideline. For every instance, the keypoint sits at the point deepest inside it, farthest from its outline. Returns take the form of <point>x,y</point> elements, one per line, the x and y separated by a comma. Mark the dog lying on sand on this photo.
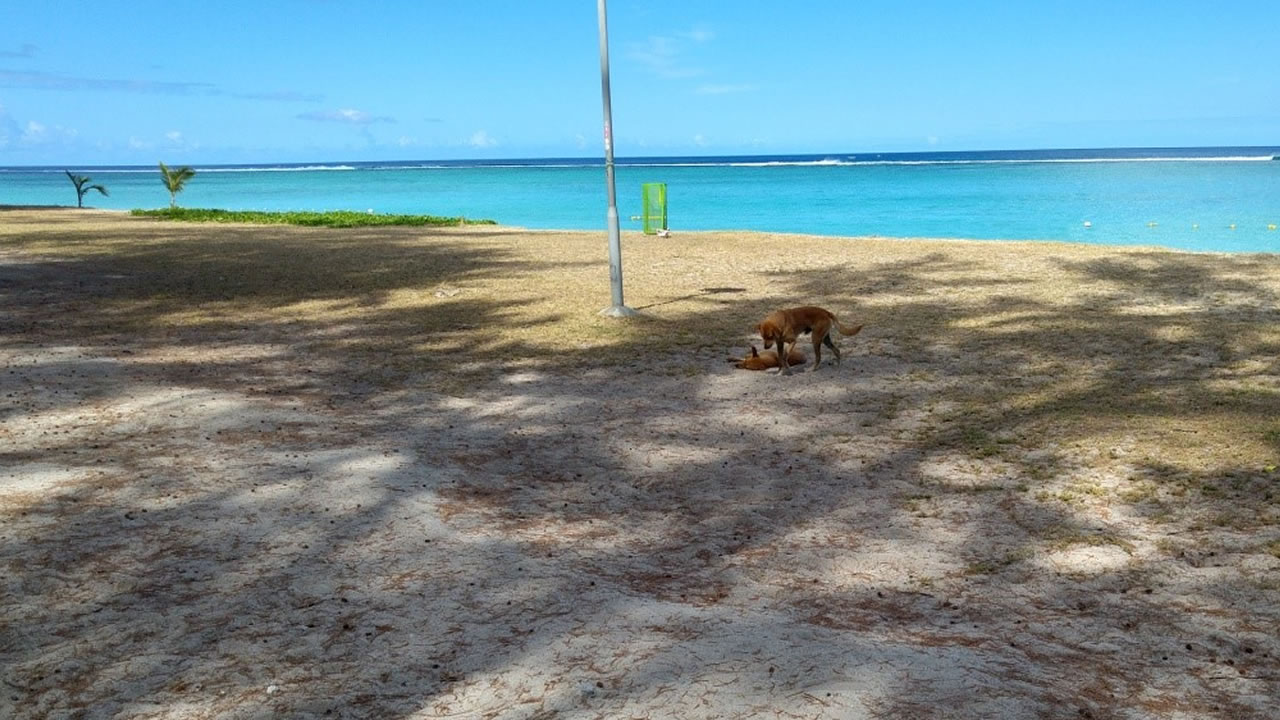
<point>783,327</point>
<point>767,359</point>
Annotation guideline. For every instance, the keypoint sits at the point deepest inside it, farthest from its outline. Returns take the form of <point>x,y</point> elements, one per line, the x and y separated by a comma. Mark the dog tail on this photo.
<point>845,330</point>
<point>740,362</point>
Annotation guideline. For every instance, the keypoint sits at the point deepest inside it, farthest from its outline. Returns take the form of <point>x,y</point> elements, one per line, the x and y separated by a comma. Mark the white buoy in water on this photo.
<point>1088,224</point>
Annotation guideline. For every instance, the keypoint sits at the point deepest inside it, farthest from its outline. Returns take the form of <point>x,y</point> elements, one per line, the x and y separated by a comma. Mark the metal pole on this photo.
<point>618,309</point>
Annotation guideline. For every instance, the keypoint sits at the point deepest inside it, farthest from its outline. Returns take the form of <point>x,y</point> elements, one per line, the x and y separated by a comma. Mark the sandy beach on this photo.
<point>264,472</point>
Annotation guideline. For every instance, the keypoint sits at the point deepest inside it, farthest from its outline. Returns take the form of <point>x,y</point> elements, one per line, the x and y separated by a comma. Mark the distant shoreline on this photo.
<point>1209,153</point>
<point>1204,199</point>
<point>676,236</point>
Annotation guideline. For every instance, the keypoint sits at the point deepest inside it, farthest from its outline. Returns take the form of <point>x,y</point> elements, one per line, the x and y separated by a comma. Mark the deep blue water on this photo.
<point>1192,198</point>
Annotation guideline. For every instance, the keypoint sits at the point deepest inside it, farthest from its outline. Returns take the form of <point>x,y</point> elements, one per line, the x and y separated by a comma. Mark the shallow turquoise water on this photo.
<point>1192,203</point>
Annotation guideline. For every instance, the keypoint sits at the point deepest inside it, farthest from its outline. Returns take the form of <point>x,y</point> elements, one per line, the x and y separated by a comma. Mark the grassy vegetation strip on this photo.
<point>332,218</point>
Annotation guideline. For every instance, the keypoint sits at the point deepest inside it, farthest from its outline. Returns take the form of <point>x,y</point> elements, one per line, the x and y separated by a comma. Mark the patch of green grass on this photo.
<point>1239,519</point>
<point>1092,489</point>
<point>1141,492</point>
<point>1038,472</point>
<point>975,488</point>
<point>1075,494</point>
<point>1210,490</point>
<point>1064,540</point>
<point>979,443</point>
<point>989,566</point>
<point>1067,496</point>
<point>1273,547</point>
<point>1272,435</point>
<point>914,504</point>
<point>331,218</point>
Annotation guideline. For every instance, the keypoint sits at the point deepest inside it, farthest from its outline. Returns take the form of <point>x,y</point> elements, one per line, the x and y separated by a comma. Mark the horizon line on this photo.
<point>600,157</point>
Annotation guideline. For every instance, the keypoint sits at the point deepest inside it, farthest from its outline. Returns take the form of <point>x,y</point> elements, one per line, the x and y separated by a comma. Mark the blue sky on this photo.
<point>225,81</point>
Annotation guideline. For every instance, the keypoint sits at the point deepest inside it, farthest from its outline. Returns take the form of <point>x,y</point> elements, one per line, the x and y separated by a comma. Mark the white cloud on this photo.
<point>482,139</point>
<point>700,140</point>
<point>34,133</point>
<point>175,140</point>
<point>663,56</point>
<point>347,116</point>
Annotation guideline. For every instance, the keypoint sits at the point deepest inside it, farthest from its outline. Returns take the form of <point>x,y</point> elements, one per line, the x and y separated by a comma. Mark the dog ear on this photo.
<point>753,352</point>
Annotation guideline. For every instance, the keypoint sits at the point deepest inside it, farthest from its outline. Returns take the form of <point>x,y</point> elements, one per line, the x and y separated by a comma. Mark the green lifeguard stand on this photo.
<point>654,207</point>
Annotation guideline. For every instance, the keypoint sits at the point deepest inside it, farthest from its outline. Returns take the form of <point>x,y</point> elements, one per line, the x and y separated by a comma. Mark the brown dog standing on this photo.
<point>786,326</point>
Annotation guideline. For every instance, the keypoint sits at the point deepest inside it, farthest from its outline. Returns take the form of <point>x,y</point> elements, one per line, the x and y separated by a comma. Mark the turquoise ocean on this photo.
<point>1214,199</point>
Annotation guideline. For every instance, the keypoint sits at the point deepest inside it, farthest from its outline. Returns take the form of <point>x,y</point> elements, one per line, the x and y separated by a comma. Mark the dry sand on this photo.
<point>254,472</point>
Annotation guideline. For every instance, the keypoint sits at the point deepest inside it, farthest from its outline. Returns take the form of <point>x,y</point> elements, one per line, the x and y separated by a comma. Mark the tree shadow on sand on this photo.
<point>1000,504</point>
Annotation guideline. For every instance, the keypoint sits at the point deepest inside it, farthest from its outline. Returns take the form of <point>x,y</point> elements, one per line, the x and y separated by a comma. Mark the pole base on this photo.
<point>619,311</point>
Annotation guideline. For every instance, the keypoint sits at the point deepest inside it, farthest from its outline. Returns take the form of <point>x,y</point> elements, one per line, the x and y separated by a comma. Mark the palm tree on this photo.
<point>174,180</point>
<point>82,186</point>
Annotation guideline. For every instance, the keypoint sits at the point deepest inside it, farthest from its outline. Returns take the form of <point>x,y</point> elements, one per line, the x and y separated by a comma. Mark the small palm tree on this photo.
<point>82,186</point>
<point>174,180</point>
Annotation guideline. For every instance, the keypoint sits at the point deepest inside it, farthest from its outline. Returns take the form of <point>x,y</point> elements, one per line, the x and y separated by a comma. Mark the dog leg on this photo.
<point>783,367</point>
<point>817,353</point>
<point>827,341</point>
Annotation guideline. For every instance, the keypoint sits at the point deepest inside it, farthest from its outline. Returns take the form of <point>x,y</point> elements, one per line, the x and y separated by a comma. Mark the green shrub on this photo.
<point>331,218</point>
